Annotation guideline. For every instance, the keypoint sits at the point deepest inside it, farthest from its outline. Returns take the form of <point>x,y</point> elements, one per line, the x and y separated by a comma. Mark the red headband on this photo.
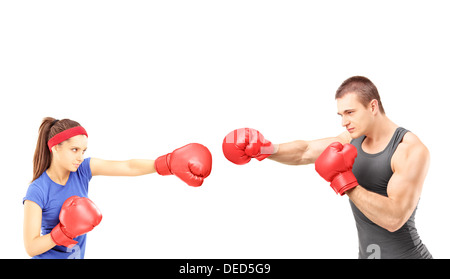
<point>65,135</point>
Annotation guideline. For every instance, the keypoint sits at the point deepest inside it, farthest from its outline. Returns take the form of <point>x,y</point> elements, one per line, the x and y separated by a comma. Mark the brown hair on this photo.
<point>48,129</point>
<point>363,87</point>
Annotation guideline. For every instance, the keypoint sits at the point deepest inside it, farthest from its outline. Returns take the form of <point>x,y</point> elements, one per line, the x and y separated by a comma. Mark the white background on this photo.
<point>146,77</point>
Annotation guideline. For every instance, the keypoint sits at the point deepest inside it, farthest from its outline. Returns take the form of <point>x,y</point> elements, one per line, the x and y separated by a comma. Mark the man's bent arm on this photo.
<point>410,164</point>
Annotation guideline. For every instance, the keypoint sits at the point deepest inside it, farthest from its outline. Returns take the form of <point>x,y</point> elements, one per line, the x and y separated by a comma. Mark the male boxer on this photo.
<point>380,166</point>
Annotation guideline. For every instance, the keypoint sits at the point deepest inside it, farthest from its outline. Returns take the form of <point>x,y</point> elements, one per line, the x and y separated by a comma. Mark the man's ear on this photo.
<point>373,105</point>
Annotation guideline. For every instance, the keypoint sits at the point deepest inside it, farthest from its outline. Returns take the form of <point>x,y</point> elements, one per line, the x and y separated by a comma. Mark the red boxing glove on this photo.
<point>335,165</point>
<point>77,216</point>
<point>191,163</point>
<point>241,145</point>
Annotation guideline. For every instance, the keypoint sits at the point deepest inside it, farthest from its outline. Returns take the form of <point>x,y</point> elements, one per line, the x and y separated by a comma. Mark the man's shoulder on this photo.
<point>411,147</point>
<point>412,142</point>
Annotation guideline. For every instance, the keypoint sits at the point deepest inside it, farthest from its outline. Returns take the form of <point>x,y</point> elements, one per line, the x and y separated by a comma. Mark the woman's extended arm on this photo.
<point>133,167</point>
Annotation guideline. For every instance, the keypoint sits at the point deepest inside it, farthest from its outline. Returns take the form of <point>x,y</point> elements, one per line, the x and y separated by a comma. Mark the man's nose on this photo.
<point>345,121</point>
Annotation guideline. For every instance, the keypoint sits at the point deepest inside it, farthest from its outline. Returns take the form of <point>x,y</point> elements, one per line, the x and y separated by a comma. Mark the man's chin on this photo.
<point>355,135</point>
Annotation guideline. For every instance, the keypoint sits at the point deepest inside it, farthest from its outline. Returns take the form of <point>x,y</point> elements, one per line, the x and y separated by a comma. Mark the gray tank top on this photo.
<point>373,172</point>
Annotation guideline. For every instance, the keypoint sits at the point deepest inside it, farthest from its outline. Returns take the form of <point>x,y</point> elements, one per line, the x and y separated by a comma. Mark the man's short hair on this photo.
<point>364,89</point>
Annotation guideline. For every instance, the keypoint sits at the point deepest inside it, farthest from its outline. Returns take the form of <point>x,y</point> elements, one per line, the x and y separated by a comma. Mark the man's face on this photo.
<point>356,118</point>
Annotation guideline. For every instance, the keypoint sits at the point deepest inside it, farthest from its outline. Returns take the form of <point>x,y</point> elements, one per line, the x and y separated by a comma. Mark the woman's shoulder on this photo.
<point>41,181</point>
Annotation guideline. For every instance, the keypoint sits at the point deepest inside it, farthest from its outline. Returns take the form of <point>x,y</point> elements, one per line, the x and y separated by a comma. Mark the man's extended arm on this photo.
<point>241,145</point>
<point>302,152</point>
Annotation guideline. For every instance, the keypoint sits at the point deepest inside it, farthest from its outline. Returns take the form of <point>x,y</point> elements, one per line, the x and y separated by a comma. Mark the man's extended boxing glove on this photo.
<point>77,217</point>
<point>241,145</point>
<point>191,163</point>
<point>335,165</point>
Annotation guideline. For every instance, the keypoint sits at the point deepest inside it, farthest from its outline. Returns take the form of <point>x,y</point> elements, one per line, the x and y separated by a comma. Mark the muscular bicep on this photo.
<point>410,165</point>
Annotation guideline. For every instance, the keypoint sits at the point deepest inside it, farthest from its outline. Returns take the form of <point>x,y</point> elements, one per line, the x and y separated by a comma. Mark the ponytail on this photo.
<point>42,155</point>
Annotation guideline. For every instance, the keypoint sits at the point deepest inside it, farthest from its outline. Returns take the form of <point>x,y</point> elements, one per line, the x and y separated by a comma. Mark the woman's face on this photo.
<point>70,153</point>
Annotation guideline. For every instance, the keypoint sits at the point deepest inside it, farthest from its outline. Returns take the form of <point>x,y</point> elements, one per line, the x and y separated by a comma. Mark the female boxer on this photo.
<point>56,202</point>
